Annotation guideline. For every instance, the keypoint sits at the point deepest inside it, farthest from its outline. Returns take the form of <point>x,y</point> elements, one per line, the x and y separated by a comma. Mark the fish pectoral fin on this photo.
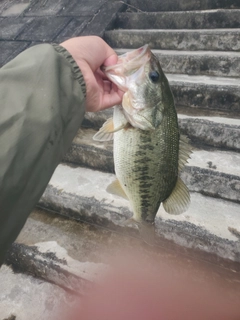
<point>107,130</point>
<point>184,152</point>
<point>116,188</point>
<point>179,199</point>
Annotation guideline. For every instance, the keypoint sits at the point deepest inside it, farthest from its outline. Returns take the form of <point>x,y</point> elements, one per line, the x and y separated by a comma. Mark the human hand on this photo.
<point>90,53</point>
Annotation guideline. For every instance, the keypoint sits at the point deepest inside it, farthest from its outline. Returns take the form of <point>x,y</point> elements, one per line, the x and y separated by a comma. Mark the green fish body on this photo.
<point>148,151</point>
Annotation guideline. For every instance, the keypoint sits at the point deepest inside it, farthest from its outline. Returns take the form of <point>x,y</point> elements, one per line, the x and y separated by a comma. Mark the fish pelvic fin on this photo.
<point>179,199</point>
<point>107,130</point>
<point>116,188</point>
<point>185,151</point>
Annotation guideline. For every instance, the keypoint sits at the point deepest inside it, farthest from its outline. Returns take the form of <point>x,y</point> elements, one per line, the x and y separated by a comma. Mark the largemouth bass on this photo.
<point>148,151</point>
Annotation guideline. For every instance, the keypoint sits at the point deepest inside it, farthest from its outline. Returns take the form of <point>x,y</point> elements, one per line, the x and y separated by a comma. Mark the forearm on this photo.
<point>42,95</point>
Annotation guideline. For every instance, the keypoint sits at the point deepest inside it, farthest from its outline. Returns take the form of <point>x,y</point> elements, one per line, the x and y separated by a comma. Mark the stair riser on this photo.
<point>206,181</point>
<point>207,133</point>
<point>212,183</point>
<point>218,98</point>
<point>210,63</point>
<point>90,157</point>
<point>219,66</point>
<point>173,5</point>
<point>179,20</point>
<point>110,212</point>
<point>201,132</point>
<point>215,40</point>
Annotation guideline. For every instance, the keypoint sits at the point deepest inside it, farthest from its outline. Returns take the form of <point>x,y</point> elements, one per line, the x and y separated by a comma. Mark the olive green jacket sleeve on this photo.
<point>42,96</point>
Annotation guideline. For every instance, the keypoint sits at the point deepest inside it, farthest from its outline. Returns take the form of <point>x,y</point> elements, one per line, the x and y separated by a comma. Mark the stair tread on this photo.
<point>220,120</point>
<point>226,161</point>
<point>183,11</point>
<point>153,5</point>
<point>211,80</point>
<point>186,52</point>
<point>191,19</point>
<point>210,31</point>
<point>81,193</point>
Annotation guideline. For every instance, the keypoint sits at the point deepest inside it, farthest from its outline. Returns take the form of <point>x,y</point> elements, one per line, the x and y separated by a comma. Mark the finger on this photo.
<point>113,59</point>
<point>111,99</point>
<point>107,86</point>
<point>101,74</point>
<point>99,53</point>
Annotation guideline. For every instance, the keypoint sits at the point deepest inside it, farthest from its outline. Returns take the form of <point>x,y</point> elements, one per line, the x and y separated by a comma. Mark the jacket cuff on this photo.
<point>75,68</point>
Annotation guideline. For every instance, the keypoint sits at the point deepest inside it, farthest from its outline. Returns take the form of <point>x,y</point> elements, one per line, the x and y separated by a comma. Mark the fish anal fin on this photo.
<point>184,152</point>
<point>105,133</point>
<point>179,199</point>
<point>116,188</point>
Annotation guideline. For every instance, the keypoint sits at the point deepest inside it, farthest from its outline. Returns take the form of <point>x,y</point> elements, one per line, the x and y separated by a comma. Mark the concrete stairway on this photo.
<point>207,96</point>
<point>198,45</point>
<point>199,52</point>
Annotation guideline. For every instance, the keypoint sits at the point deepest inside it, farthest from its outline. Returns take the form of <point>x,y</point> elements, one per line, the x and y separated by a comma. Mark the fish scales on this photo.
<point>146,163</point>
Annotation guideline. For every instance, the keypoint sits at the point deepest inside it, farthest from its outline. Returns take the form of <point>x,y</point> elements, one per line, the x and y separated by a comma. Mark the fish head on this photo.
<point>138,73</point>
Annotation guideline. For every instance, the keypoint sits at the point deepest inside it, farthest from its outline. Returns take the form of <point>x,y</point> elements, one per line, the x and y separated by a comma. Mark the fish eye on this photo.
<point>154,76</point>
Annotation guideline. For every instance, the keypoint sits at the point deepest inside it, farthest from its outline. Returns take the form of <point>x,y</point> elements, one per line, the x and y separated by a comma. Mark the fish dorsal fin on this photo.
<point>116,188</point>
<point>179,199</point>
<point>184,152</point>
<point>105,133</point>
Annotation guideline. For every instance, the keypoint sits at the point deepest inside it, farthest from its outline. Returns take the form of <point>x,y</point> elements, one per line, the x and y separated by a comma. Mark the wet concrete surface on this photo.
<point>87,242</point>
<point>51,238</point>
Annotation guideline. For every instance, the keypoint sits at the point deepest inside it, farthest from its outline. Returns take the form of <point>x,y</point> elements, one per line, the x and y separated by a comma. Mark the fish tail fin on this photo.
<point>146,230</point>
<point>147,233</point>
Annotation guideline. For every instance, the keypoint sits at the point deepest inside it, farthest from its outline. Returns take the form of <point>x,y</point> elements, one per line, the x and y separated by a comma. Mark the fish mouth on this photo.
<point>127,64</point>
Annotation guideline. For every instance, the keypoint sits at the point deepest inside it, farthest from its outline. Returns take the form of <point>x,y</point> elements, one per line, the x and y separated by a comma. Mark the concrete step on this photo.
<point>211,172</point>
<point>178,39</point>
<point>204,131</point>
<point>209,63</point>
<point>209,225</point>
<point>197,96</point>
<point>24,297</point>
<point>210,19</point>
<point>173,5</point>
<point>216,94</point>
<point>212,93</point>
<point>211,131</point>
<point>66,257</point>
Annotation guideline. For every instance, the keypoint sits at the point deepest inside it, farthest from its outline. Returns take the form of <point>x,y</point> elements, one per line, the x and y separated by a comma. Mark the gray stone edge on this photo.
<point>45,266</point>
<point>186,235</point>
